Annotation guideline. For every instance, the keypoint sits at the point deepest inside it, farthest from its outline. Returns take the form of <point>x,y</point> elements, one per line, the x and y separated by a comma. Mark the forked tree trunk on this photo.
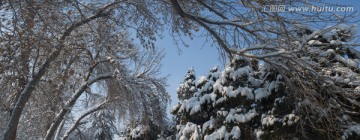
<point>10,133</point>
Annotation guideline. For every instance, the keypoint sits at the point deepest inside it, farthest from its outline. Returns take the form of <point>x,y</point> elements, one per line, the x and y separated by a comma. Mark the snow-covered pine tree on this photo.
<point>186,89</point>
<point>318,99</point>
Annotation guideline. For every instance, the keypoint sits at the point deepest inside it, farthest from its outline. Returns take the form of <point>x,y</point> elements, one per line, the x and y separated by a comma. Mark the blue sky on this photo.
<point>200,56</point>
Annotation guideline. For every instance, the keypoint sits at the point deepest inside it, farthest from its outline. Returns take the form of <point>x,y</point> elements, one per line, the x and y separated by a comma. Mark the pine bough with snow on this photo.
<point>317,98</point>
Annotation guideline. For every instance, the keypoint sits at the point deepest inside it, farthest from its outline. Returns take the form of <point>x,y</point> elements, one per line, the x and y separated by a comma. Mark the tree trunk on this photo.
<point>10,133</point>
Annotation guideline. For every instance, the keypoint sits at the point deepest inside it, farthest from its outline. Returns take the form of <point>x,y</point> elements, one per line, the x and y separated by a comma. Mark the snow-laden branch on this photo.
<point>196,18</point>
<point>59,129</point>
<point>86,113</point>
<point>71,102</point>
<point>202,21</point>
<point>354,52</point>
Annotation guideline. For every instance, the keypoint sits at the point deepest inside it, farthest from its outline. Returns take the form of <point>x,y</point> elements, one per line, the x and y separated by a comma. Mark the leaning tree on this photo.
<point>75,69</point>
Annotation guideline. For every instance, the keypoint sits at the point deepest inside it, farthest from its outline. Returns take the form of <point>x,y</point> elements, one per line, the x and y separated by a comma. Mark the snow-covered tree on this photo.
<point>299,73</point>
<point>253,99</point>
<point>186,89</point>
<point>63,62</point>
